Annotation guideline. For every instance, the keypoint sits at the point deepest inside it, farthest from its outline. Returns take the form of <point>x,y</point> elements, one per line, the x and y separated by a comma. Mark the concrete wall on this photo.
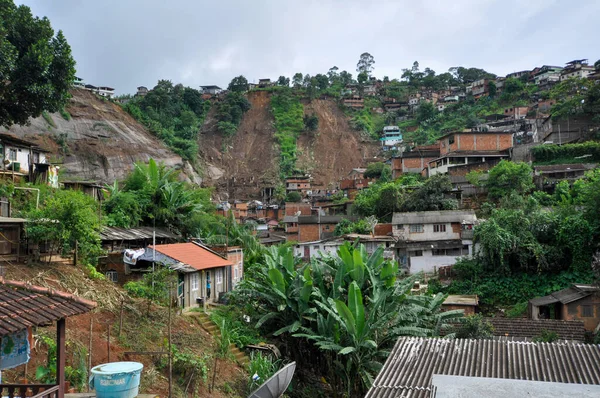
<point>452,232</point>
<point>428,263</point>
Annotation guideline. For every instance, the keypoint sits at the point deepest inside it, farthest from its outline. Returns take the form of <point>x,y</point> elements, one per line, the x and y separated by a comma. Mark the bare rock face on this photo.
<point>100,143</point>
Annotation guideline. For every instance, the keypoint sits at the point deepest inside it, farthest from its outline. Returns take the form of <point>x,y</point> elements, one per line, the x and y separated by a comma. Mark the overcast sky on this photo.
<point>128,43</point>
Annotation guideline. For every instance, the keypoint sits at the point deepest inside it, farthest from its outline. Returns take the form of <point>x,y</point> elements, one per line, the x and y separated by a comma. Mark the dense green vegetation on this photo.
<point>585,152</point>
<point>289,123</point>
<point>230,111</point>
<point>408,193</point>
<point>36,67</point>
<point>532,243</point>
<point>173,113</point>
<point>338,315</point>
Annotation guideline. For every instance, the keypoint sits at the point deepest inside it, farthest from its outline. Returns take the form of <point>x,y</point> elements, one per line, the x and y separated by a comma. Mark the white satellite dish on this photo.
<point>277,384</point>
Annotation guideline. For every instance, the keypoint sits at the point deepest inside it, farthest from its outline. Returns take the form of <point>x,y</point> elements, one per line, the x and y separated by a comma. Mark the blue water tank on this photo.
<point>116,379</point>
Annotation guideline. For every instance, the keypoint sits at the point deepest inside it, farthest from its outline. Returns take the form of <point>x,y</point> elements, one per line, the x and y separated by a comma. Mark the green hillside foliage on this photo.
<point>568,153</point>
<point>173,113</point>
<point>288,113</point>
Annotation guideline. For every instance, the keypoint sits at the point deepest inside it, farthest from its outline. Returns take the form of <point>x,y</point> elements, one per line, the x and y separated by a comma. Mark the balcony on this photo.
<point>466,234</point>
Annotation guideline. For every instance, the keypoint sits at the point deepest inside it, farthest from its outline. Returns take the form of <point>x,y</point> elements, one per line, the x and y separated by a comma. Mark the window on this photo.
<point>316,248</point>
<point>416,228</point>
<point>327,227</point>
<point>399,226</point>
<point>194,281</point>
<point>438,252</point>
<point>451,140</point>
<point>219,276</point>
<point>587,311</point>
<point>439,227</point>
<point>112,275</point>
<point>416,253</point>
<point>235,272</point>
<point>12,154</point>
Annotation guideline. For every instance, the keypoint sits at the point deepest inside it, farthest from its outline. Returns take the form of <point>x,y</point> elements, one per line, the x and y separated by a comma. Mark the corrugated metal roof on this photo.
<point>193,255</point>
<point>462,299</point>
<point>414,360</point>
<point>566,296</point>
<point>530,328</point>
<point>140,233</point>
<point>23,305</point>
<point>430,217</point>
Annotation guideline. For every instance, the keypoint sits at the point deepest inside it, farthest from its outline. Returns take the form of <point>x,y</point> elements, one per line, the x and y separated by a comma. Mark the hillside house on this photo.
<point>311,228</point>
<point>10,238</point>
<point>466,302</point>
<point>141,91</point>
<point>576,303</point>
<point>20,156</point>
<point>578,68</point>
<point>425,367</point>
<point>547,76</point>
<point>461,149</point>
<point>429,240</point>
<point>391,138</point>
<point>264,83</point>
<point>517,112</point>
<point>414,161</point>
<point>480,87</point>
<point>546,177</point>
<point>354,102</point>
<point>308,250</point>
<point>211,90</point>
<point>198,267</point>
<point>392,104</point>
<point>369,90</point>
<point>500,81</point>
<point>78,82</point>
<point>518,75</point>
<point>354,182</point>
<point>300,184</point>
<point>90,188</point>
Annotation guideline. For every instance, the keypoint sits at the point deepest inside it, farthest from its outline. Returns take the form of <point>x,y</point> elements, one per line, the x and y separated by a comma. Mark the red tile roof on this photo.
<point>23,305</point>
<point>193,255</point>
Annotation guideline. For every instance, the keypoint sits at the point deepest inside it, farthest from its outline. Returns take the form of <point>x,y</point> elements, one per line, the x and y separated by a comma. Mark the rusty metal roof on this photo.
<point>140,233</point>
<point>414,360</point>
<point>530,328</point>
<point>23,305</point>
<point>566,296</point>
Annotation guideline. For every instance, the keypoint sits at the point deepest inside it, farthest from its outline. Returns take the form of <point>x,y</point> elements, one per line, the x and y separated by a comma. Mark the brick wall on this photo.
<point>383,229</point>
<point>469,309</point>
<point>292,208</point>
<point>476,142</point>
<point>574,311</point>
<point>308,232</point>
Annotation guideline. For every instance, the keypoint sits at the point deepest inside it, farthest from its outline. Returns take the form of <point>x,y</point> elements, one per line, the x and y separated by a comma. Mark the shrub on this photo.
<point>48,118</point>
<point>311,122</point>
<point>260,369</point>
<point>293,197</point>
<point>65,115</point>
<point>517,310</point>
<point>546,336</point>
<point>475,327</point>
<point>560,153</point>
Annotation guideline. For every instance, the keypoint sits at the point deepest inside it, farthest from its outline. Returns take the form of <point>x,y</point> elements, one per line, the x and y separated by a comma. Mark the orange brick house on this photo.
<point>414,161</point>
<point>466,148</point>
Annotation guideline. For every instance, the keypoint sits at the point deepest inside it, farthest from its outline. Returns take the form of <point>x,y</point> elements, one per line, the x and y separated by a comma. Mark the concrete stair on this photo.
<point>207,324</point>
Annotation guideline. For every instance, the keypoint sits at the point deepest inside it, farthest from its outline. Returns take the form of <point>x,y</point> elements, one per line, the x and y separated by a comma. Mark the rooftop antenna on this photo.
<point>275,386</point>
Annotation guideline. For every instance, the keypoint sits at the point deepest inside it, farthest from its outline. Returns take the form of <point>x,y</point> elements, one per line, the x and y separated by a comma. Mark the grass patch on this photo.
<point>48,118</point>
<point>65,115</point>
<point>289,123</point>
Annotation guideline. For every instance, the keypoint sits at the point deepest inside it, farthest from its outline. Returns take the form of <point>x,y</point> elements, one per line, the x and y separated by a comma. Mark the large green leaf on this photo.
<point>347,317</point>
<point>358,272</point>
<point>355,303</point>
<point>278,282</point>
<point>346,350</point>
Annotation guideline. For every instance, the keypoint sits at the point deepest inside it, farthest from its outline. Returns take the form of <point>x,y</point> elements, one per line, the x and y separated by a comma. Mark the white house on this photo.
<point>308,250</point>
<point>19,155</point>
<point>429,240</point>
<point>213,90</point>
<point>391,137</point>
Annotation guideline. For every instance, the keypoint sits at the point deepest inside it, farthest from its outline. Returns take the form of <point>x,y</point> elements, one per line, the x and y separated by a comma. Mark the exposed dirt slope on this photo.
<point>335,148</point>
<point>103,141</point>
<point>239,167</point>
<point>243,164</point>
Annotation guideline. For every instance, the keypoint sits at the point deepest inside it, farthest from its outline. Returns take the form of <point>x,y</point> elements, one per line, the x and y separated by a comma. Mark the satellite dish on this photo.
<point>277,384</point>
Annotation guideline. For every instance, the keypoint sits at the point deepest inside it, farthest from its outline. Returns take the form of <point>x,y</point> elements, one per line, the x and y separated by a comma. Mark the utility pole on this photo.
<point>169,342</point>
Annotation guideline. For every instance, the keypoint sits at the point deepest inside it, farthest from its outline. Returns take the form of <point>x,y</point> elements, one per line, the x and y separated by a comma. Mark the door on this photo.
<point>307,253</point>
<point>181,290</point>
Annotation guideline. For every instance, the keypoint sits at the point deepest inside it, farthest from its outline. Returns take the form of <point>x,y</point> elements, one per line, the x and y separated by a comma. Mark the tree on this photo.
<point>492,89</point>
<point>69,218</point>
<point>311,122</point>
<point>283,81</point>
<point>365,64</point>
<point>293,197</point>
<point>362,78</point>
<point>432,195</point>
<point>321,82</point>
<point>374,170</point>
<point>345,77</point>
<point>238,84</point>
<point>475,327</point>
<point>333,75</point>
<point>342,313</point>
<point>297,80</point>
<point>425,112</point>
<point>37,69</point>
<point>507,177</point>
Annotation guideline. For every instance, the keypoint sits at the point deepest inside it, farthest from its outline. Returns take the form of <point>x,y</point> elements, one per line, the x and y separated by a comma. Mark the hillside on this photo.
<point>100,142</point>
<point>242,165</point>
